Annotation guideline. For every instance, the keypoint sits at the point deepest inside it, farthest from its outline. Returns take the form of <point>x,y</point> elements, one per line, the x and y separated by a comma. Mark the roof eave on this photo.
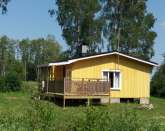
<point>99,55</point>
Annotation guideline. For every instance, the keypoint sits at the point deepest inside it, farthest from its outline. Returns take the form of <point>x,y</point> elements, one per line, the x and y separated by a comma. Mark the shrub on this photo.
<point>10,82</point>
<point>102,120</point>
<point>2,84</point>
<point>13,83</point>
<point>42,116</point>
<point>30,86</point>
<point>158,81</point>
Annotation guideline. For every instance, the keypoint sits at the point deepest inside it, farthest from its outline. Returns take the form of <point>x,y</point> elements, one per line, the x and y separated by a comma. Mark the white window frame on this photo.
<point>120,77</point>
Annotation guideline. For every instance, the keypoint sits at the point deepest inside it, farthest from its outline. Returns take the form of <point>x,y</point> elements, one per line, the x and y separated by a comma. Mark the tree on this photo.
<point>158,81</point>
<point>38,51</point>
<point>44,50</point>
<point>24,46</point>
<point>129,27</point>
<point>80,23</point>
<point>3,5</point>
<point>7,54</point>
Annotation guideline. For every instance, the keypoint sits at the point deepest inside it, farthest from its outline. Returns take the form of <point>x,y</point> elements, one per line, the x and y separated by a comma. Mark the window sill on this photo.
<point>116,89</point>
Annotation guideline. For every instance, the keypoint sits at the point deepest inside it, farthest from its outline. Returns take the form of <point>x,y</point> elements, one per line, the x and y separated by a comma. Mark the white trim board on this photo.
<point>99,55</point>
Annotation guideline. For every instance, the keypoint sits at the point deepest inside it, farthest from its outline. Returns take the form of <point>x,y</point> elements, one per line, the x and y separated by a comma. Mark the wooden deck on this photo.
<point>76,88</point>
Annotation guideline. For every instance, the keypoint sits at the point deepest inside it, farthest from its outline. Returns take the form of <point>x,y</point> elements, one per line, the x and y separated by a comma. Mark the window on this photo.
<point>114,77</point>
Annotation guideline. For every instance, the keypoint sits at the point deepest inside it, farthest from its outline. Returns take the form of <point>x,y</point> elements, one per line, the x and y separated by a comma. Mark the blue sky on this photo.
<point>30,19</point>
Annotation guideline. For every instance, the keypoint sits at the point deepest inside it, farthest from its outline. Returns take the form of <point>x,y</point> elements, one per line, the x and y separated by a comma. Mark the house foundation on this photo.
<point>115,100</point>
<point>144,101</point>
<point>105,100</point>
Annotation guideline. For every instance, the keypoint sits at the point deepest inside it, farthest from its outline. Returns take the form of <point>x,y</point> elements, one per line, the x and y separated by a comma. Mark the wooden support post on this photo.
<point>47,86</point>
<point>88,102</point>
<point>49,97</point>
<point>109,83</point>
<point>64,92</point>
<point>39,88</point>
<point>64,102</point>
<point>54,98</point>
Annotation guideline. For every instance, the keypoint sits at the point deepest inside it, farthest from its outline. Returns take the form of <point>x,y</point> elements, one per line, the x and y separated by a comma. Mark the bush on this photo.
<point>102,120</point>
<point>42,116</point>
<point>10,82</point>
<point>13,83</point>
<point>30,87</point>
<point>158,82</point>
<point>2,84</point>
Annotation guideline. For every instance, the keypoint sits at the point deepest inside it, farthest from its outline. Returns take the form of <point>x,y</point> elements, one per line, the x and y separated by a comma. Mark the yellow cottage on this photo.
<point>110,77</point>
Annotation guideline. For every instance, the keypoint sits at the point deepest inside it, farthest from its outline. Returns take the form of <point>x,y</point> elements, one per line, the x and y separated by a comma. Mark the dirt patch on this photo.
<point>159,117</point>
<point>11,98</point>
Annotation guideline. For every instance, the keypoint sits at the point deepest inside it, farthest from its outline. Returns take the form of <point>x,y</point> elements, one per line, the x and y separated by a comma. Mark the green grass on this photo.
<point>13,100</point>
<point>19,102</point>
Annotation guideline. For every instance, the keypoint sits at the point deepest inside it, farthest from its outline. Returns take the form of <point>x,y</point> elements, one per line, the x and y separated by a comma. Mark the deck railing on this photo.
<point>86,87</point>
<point>56,86</point>
<point>81,87</point>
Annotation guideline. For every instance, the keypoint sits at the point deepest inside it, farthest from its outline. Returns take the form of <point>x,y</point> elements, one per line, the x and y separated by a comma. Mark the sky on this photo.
<point>30,19</point>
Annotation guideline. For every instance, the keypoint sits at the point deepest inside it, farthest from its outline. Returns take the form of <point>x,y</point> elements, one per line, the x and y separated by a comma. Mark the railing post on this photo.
<point>47,89</point>
<point>83,87</point>
<point>64,92</point>
<point>88,102</point>
<point>109,85</point>
<point>89,88</point>
<point>47,84</point>
<point>64,84</point>
<point>97,86</point>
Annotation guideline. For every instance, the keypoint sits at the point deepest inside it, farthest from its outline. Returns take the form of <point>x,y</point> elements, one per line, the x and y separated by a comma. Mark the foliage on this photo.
<point>64,55</point>
<point>17,67</point>
<point>7,54</point>
<point>158,82</point>
<point>3,5</point>
<point>10,82</point>
<point>128,27</point>
<point>42,116</point>
<point>23,56</point>
<point>19,112</point>
<point>37,51</point>
<point>13,83</point>
<point>98,119</point>
<point>30,87</point>
<point>2,84</point>
<point>80,24</point>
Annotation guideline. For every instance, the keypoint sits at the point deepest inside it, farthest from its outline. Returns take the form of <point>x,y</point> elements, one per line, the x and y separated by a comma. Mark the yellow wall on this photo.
<point>135,76</point>
<point>56,73</point>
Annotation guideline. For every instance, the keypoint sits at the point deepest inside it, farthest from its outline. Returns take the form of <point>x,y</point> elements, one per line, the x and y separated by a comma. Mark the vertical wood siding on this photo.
<point>135,76</point>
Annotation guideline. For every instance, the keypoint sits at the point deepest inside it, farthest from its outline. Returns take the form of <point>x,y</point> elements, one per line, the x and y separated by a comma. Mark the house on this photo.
<point>109,77</point>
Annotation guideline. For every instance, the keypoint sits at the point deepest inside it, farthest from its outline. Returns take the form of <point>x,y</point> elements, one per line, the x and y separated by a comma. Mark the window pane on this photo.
<point>117,79</point>
<point>105,75</point>
<point>111,79</point>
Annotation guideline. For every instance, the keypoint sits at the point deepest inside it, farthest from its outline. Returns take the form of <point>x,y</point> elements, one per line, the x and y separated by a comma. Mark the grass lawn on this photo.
<point>18,102</point>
